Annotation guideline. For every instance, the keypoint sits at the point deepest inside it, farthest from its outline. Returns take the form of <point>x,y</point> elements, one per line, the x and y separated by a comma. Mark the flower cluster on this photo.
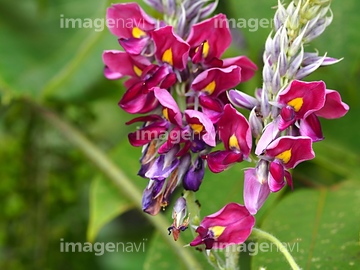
<point>178,81</point>
<point>284,114</point>
<point>176,77</point>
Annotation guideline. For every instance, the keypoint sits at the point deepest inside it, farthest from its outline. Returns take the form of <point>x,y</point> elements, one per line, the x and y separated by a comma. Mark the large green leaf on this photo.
<point>105,204</point>
<point>321,226</point>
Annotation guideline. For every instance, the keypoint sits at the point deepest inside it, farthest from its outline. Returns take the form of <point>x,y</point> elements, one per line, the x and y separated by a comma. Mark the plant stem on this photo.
<point>232,258</point>
<point>117,177</point>
<point>257,233</point>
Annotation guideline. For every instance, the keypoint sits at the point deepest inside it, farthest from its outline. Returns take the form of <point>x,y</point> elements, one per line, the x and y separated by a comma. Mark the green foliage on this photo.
<point>321,229</point>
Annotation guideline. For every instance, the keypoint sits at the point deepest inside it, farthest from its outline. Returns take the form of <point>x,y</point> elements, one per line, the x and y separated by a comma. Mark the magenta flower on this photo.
<point>285,153</point>
<point>170,48</point>
<point>235,133</point>
<point>204,39</point>
<point>207,47</point>
<point>201,126</point>
<point>119,64</point>
<point>171,110</point>
<point>256,187</point>
<point>299,100</point>
<point>131,24</point>
<point>154,127</point>
<point>230,225</point>
<point>194,176</point>
<point>214,81</point>
<point>333,108</point>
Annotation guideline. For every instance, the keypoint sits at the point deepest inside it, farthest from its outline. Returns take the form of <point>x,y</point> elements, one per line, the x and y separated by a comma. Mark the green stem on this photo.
<point>232,258</point>
<point>257,233</point>
<point>117,177</point>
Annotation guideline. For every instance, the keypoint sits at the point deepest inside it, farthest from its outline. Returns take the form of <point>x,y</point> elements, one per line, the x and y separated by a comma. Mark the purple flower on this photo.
<point>131,24</point>
<point>256,187</point>
<point>230,225</point>
<point>235,133</point>
<point>333,108</point>
<point>201,125</point>
<point>171,110</point>
<point>285,153</point>
<point>299,100</point>
<point>194,176</point>
<point>204,39</point>
<point>214,81</point>
<point>170,48</point>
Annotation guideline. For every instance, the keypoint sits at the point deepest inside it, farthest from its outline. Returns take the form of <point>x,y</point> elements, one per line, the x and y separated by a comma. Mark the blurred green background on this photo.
<point>49,190</point>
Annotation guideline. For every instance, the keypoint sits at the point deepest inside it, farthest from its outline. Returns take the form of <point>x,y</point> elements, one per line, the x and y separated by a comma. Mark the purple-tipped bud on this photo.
<point>265,106</point>
<point>311,58</point>
<point>179,211</point>
<point>318,28</point>
<point>297,43</point>
<point>305,71</point>
<point>256,124</point>
<point>170,7</point>
<point>280,16</point>
<point>208,10</point>
<point>195,175</point>
<point>295,64</point>
<point>276,81</point>
<point>242,100</point>
<point>282,63</point>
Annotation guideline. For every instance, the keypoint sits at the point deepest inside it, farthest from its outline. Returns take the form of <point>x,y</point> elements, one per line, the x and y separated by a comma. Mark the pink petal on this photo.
<point>168,102</point>
<point>224,78</point>
<point>312,93</point>
<point>165,39</point>
<point>300,147</point>
<point>333,107</point>
<point>255,191</point>
<point>122,18</point>
<point>211,30</point>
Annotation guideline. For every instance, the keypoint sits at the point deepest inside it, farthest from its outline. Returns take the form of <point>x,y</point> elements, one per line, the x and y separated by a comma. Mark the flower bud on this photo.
<point>194,176</point>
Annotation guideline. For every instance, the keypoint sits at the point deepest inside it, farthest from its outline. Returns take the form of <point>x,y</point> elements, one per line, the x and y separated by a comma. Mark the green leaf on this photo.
<point>320,227</point>
<point>105,204</point>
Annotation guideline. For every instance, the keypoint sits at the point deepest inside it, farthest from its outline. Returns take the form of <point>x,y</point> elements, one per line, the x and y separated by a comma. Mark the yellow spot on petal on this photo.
<point>197,128</point>
<point>168,56</point>
<point>206,48</point>
<point>233,143</point>
<point>210,87</point>
<point>137,32</point>
<point>166,113</point>
<point>284,156</point>
<point>296,103</point>
<point>217,231</point>
<point>137,71</point>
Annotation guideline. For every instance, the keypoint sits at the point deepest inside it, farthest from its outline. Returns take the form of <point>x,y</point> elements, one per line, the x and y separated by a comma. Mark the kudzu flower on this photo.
<point>230,225</point>
<point>284,114</point>
<point>180,223</point>
<point>177,77</point>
